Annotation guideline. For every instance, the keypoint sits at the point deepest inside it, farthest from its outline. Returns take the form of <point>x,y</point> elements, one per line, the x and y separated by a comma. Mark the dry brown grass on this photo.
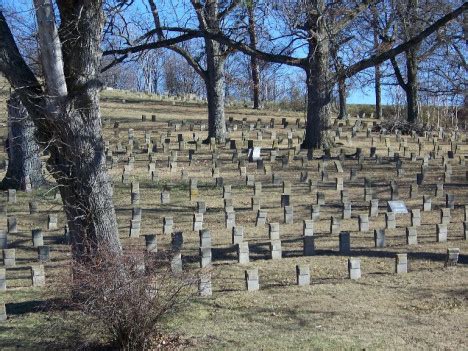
<point>426,308</point>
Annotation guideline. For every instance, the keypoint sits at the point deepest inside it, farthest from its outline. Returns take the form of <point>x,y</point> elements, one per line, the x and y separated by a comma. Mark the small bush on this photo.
<point>128,295</point>
<point>392,123</point>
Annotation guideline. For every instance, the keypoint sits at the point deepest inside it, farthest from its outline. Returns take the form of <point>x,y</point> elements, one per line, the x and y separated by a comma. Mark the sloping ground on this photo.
<point>424,309</point>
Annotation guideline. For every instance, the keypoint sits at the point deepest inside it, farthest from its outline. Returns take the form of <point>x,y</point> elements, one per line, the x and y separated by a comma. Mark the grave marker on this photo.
<point>302,275</point>
<point>354,268</point>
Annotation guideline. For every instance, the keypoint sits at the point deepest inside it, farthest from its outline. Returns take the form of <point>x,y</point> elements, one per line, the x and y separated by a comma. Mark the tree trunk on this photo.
<point>67,118</point>
<point>377,69</point>
<point>342,97</point>
<point>318,85</point>
<point>253,59</point>
<point>24,163</point>
<point>378,92</point>
<point>317,113</point>
<point>78,162</point>
<point>215,87</point>
<point>412,86</point>
<point>78,156</point>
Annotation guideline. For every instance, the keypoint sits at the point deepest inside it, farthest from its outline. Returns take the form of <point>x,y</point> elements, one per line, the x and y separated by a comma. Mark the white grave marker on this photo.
<point>397,207</point>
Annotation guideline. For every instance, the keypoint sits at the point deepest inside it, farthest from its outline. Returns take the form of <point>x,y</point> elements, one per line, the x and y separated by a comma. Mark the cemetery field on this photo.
<point>288,210</point>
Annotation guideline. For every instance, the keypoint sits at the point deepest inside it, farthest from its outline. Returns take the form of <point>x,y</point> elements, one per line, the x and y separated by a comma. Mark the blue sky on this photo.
<point>356,96</point>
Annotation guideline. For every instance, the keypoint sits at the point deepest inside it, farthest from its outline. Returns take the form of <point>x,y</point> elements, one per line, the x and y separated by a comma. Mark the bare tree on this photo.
<point>210,15</point>
<point>405,20</point>
<point>65,111</point>
<point>309,26</point>
<point>410,23</point>
<point>315,24</point>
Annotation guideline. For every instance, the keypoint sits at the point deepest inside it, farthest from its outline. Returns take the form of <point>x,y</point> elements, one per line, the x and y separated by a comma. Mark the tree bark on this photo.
<point>342,99</point>
<point>215,83</point>
<point>78,155</point>
<point>412,86</point>
<point>378,92</point>
<point>215,88</point>
<point>377,69</point>
<point>317,70</point>
<point>24,162</point>
<point>253,59</point>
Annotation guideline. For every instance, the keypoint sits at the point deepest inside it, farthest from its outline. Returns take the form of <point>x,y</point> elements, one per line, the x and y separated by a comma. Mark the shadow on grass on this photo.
<point>48,324</point>
<point>261,251</point>
<point>33,306</point>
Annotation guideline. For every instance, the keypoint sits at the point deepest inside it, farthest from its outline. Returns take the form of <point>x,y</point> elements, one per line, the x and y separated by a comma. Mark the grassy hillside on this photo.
<point>424,309</point>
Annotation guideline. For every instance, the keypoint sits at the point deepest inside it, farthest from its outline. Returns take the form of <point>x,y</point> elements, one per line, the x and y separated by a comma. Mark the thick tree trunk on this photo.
<point>253,59</point>
<point>317,113</point>
<point>318,85</point>
<point>215,87</point>
<point>412,86</point>
<point>214,79</point>
<point>78,162</point>
<point>342,97</point>
<point>67,118</point>
<point>78,156</point>
<point>24,163</point>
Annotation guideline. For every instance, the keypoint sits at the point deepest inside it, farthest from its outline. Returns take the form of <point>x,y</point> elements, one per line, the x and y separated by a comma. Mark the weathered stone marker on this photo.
<point>251,279</point>
<point>204,285</point>
<point>415,217</point>
<point>452,257</point>
<point>390,220</point>
<point>411,236</point>
<point>354,268</point>
<point>261,218</point>
<point>302,275</point>
<point>237,235</point>
<point>168,225</point>
<point>37,237</point>
<point>243,252</point>
<point>275,250</point>
<point>374,208</point>
<point>335,225</point>
<point>401,263</point>
<point>9,257</point>
<point>3,239</point>
<point>3,314</point>
<point>12,225</point>
<point>3,282</point>
<point>379,237</point>
<point>441,233</point>
<point>151,243</point>
<point>38,276</point>
<point>43,253</point>
<point>363,223</point>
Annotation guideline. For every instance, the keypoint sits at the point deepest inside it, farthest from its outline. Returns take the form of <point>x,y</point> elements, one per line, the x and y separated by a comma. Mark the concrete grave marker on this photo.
<point>254,154</point>
<point>396,207</point>
<point>302,275</point>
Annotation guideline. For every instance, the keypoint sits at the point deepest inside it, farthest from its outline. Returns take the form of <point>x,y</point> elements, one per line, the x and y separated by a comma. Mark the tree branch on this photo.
<point>155,45</point>
<point>16,71</point>
<point>338,27</point>
<point>177,49</point>
<point>398,74</point>
<point>377,59</point>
